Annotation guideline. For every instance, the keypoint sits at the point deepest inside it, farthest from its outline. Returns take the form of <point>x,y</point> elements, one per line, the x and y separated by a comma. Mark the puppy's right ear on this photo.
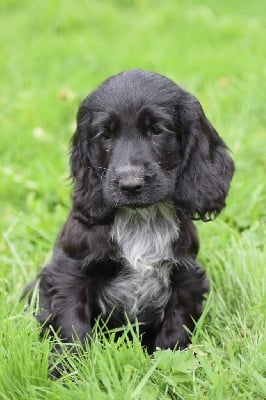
<point>88,203</point>
<point>78,148</point>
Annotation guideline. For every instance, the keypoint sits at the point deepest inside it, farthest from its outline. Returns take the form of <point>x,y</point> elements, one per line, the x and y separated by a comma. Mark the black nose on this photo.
<point>131,185</point>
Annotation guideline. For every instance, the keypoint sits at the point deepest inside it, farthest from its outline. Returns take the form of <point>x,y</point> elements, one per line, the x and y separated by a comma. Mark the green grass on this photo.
<point>52,54</point>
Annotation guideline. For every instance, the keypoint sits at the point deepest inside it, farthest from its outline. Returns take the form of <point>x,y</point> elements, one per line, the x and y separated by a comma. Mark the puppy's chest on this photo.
<point>144,239</point>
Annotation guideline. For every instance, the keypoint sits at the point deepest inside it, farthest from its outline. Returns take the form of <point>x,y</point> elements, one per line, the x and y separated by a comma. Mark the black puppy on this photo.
<point>145,162</point>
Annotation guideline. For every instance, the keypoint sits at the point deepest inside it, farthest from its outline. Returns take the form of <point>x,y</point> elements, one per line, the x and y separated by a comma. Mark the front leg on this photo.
<point>189,284</point>
<point>65,303</point>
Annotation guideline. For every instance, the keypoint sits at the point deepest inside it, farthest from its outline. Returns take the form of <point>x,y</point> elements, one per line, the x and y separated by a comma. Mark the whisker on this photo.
<point>163,162</point>
<point>158,145</point>
<point>93,167</point>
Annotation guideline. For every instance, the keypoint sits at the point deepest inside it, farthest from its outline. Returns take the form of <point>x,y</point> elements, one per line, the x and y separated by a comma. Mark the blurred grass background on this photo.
<point>53,53</point>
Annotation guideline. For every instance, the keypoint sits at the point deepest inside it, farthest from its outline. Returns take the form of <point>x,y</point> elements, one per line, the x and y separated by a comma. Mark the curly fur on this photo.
<point>145,162</point>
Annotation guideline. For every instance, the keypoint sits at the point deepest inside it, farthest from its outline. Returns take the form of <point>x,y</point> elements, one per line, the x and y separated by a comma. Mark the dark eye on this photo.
<point>107,135</point>
<point>155,130</point>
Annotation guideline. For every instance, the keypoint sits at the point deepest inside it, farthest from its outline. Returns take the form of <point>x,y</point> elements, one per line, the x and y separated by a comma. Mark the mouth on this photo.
<point>138,202</point>
<point>135,203</point>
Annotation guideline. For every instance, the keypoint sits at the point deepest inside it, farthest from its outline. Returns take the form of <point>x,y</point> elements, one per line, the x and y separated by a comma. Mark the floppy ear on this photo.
<point>88,203</point>
<point>206,170</point>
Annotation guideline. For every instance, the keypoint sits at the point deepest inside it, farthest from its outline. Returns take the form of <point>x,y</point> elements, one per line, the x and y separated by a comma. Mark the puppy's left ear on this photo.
<point>206,168</point>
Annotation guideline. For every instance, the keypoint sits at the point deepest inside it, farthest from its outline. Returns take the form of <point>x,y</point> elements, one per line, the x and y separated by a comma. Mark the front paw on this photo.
<point>175,340</point>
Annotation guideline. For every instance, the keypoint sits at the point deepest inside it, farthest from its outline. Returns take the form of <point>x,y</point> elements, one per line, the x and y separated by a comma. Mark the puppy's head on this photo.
<point>141,139</point>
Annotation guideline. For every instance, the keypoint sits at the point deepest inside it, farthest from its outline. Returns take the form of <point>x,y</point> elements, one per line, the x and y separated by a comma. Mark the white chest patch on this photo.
<point>144,237</point>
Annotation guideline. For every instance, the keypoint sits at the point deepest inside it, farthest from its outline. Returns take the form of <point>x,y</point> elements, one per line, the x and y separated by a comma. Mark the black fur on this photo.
<point>140,140</point>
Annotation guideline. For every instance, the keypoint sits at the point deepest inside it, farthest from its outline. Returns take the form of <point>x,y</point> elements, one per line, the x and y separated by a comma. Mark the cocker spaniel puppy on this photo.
<point>145,162</point>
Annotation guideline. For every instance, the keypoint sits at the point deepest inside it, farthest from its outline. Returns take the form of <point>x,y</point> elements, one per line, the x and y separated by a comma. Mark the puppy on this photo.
<point>145,162</point>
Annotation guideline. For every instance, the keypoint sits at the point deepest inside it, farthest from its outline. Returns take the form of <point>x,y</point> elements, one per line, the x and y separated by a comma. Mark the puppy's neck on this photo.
<point>145,235</point>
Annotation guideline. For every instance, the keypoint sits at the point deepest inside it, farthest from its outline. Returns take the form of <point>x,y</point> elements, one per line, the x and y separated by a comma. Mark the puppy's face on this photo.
<point>136,151</point>
<point>141,139</point>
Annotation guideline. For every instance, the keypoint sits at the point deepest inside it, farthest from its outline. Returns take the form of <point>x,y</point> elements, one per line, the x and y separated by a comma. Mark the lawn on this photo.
<point>52,54</point>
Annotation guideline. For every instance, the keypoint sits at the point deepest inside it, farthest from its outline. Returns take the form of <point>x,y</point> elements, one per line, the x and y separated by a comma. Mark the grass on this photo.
<point>52,54</point>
